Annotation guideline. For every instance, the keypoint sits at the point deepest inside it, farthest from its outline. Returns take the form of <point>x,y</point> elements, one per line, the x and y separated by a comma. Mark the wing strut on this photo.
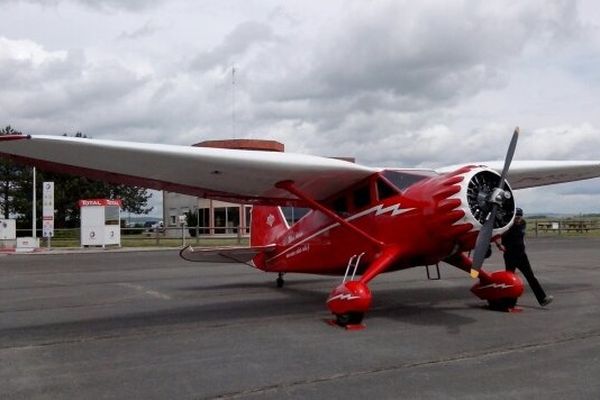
<point>289,186</point>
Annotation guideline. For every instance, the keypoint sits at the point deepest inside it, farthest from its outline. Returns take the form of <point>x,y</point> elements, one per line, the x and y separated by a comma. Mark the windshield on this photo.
<point>402,180</point>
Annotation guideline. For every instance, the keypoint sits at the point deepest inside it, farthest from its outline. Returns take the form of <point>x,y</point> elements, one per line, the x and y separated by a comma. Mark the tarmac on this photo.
<point>148,325</point>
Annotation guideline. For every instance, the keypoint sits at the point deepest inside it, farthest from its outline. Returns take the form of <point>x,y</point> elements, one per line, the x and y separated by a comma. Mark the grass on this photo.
<point>149,241</point>
<point>569,227</point>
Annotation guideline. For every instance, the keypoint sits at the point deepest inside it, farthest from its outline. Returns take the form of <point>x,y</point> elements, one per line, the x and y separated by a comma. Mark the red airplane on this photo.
<point>362,221</point>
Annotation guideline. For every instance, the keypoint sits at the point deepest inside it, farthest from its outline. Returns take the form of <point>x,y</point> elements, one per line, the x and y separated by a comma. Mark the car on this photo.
<point>152,225</point>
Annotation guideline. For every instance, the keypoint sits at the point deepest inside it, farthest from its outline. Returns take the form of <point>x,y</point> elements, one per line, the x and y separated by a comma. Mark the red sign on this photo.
<point>99,202</point>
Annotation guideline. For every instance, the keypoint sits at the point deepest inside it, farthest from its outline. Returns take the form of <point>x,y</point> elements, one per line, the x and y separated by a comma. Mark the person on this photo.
<point>513,246</point>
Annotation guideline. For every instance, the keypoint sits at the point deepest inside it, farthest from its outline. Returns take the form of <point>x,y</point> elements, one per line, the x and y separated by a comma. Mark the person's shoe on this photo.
<point>547,300</point>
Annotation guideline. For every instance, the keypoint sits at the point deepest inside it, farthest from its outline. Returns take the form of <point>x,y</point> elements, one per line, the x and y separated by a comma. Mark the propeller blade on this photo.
<point>483,240</point>
<point>509,156</point>
<point>485,234</point>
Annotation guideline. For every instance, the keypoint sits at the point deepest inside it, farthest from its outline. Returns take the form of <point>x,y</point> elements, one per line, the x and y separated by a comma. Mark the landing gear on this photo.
<point>505,304</point>
<point>279,281</point>
<point>351,318</point>
<point>501,290</point>
<point>349,302</point>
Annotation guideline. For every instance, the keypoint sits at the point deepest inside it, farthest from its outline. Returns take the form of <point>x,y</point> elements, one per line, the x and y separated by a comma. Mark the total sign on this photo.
<point>48,209</point>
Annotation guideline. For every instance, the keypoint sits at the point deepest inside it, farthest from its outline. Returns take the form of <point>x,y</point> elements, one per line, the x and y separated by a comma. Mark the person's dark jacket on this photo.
<point>513,239</point>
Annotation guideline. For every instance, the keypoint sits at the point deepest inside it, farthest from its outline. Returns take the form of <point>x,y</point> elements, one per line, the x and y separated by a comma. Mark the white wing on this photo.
<point>526,174</point>
<point>235,175</point>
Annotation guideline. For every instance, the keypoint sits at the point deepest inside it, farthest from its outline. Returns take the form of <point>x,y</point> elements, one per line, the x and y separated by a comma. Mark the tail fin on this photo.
<point>268,223</point>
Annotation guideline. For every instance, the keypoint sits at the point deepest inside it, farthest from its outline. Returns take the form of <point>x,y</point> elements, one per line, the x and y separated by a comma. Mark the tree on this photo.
<point>16,187</point>
<point>13,183</point>
<point>191,219</point>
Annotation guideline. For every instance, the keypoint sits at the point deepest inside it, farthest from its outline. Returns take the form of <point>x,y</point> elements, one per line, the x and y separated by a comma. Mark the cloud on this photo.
<point>48,90</point>
<point>559,142</point>
<point>28,50</point>
<point>104,5</point>
<point>235,45</point>
<point>391,83</point>
<point>428,54</point>
<point>24,65</point>
<point>407,66</point>
<point>129,5</point>
<point>148,29</point>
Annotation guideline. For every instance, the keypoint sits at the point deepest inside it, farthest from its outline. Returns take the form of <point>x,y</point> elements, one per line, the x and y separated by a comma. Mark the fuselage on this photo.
<point>429,216</point>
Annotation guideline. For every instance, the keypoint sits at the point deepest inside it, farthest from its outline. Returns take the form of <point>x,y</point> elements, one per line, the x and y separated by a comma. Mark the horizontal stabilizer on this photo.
<point>224,254</point>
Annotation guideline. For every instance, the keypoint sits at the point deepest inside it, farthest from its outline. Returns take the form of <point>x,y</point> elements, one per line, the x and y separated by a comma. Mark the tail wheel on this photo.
<point>279,281</point>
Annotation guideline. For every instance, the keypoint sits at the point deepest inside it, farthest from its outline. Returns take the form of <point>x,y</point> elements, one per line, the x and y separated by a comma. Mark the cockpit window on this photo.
<point>403,180</point>
<point>384,189</point>
<point>361,197</point>
<point>339,205</point>
<point>293,214</point>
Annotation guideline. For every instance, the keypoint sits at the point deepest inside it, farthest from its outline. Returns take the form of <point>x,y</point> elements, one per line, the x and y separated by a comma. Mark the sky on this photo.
<point>391,83</point>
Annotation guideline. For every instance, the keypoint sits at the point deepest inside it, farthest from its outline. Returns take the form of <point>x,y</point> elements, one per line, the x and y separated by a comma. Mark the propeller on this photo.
<point>496,198</point>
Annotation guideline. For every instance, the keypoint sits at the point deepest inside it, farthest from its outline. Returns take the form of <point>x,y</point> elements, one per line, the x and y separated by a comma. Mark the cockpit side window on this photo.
<point>340,205</point>
<point>384,189</point>
<point>361,197</point>
<point>294,214</point>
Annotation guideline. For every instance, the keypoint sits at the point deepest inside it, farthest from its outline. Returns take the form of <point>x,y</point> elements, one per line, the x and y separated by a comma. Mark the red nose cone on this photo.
<point>501,284</point>
<point>351,296</point>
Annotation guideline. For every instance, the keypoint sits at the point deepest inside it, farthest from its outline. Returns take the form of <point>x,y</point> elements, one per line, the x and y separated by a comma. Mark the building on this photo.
<point>214,217</point>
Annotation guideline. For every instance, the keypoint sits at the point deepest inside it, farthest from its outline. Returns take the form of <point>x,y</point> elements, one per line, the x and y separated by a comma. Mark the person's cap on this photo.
<point>519,212</point>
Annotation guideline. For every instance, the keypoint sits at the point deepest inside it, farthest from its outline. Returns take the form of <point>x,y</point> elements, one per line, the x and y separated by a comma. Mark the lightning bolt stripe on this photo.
<point>496,286</point>
<point>380,210</point>
<point>344,296</point>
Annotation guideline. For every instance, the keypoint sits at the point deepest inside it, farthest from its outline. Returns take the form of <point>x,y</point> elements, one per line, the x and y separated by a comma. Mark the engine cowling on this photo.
<point>476,187</point>
<point>454,208</point>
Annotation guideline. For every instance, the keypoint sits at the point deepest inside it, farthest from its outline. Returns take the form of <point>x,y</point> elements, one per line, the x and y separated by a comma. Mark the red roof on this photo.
<point>244,144</point>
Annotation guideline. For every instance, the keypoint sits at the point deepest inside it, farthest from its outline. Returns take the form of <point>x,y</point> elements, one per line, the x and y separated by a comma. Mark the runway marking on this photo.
<point>149,292</point>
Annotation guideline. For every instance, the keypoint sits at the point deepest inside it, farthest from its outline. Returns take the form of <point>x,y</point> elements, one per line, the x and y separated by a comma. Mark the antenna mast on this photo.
<point>233,100</point>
